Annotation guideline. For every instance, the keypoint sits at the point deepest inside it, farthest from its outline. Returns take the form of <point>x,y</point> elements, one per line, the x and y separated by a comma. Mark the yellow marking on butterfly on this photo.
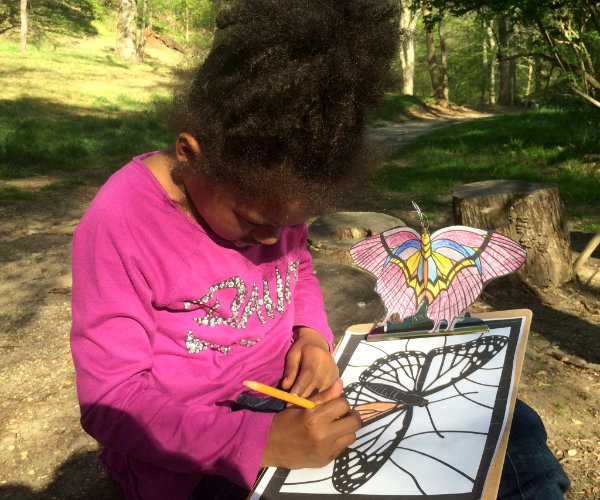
<point>446,270</point>
<point>425,244</point>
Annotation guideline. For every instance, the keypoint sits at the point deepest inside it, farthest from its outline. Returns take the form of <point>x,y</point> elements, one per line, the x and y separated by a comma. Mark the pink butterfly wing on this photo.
<point>372,253</point>
<point>498,255</point>
<point>460,294</point>
<point>501,256</point>
<point>396,294</point>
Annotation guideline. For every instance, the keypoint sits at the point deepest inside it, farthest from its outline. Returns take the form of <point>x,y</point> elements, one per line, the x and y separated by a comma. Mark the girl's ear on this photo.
<point>186,147</point>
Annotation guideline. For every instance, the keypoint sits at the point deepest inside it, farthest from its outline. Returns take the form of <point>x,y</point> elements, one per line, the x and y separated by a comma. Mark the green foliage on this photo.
<point>466,73</point>
<point>189,22</point>
<point>532,146</point>
<point>562,32</point>
<point>52,18</point>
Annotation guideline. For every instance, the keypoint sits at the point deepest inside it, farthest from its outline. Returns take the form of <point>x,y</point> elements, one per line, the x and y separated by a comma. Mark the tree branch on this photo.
<point>555,59</point>
<point>586,97</point>
<point>587,251</point>
<point>595,14</point>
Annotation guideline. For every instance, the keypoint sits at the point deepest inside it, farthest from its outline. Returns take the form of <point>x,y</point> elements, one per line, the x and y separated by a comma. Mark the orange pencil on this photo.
<point>276,393</point>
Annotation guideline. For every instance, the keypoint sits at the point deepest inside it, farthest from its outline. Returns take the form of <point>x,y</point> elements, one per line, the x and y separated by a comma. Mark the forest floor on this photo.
<point>44,453</point>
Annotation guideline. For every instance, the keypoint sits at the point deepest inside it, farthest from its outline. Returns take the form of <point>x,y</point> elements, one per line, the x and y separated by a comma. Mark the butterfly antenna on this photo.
<point>422,217</point>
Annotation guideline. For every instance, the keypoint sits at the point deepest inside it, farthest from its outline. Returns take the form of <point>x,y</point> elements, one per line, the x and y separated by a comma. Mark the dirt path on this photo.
<point>45,454</point>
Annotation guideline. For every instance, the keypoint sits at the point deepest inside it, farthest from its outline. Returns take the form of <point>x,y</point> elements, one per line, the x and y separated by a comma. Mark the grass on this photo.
<point>560,408</point>
<point>74,111</point>
<point>547,145</point>
<point>394,107</point>
<point>71,110</point>
<point>39,137</point>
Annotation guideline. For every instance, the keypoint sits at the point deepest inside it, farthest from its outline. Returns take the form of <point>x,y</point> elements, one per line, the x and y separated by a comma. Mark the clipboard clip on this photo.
<point>419,325</point>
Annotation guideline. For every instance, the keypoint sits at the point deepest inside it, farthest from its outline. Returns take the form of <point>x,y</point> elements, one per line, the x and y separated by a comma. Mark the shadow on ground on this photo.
<point>571,333</point>
<point>79,477</point>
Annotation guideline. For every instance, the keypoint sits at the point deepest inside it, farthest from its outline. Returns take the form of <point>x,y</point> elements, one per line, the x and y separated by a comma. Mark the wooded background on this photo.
<point>473,52</point>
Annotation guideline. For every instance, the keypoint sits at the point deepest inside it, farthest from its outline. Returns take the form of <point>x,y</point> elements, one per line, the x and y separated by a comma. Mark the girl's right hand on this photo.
<point>301,438</point>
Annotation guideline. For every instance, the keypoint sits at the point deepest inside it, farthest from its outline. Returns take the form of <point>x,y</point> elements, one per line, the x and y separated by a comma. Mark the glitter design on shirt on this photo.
<point>256,304</point>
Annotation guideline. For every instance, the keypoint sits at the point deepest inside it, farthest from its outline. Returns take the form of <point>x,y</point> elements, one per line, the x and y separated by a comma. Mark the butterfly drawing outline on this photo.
<point>390,389</point>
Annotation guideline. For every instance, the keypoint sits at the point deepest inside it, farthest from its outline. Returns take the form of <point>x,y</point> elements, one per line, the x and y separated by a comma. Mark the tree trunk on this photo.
<point>443,62</point>
<point>512,69</point>
<point>504,88</point>
<point>485,86</point>
<point>434,70</point>
<point>408,23</point>
<point>529,213</point>
<point>126,30</point>
<point>529,75</point>
<point>187,23</point>
<point>141,35</point>
<point>538,76</point>
<point>492,67</point>
<point>23,25</point>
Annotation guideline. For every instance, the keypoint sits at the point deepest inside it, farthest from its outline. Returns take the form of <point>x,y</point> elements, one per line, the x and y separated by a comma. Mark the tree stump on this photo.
<point>529,213</point>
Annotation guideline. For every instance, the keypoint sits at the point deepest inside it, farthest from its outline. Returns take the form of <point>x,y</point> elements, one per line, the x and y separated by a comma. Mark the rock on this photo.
<point>349,295</point>
<point>330,237</point>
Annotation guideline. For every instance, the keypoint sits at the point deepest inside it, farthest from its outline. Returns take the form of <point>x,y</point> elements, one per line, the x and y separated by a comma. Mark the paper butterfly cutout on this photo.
<point>446,270</point>
<point>390,389</point>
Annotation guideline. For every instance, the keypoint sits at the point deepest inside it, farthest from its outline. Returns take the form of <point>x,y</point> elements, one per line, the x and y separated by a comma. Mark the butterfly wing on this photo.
<point>359,463</point>
<point>380,397</point>
<point>389,390</point>
<point>373,252</point>
<point>465,259</point>
<point>393,258</point>
<point>449,364</point>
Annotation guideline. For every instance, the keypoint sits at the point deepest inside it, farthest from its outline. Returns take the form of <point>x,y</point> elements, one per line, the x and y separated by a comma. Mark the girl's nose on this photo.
<point>266,235</point>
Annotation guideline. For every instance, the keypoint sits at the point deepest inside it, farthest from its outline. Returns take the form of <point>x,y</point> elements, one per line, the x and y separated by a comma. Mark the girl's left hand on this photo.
<point>309,367</point>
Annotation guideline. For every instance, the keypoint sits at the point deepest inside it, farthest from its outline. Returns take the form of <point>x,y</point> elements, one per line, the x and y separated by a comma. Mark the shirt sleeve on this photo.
<point>308,297</point>
<point>122,406</point>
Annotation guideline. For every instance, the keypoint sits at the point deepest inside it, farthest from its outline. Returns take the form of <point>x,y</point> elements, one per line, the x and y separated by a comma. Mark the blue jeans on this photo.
<point>530,472</point>
<point>530,469</point>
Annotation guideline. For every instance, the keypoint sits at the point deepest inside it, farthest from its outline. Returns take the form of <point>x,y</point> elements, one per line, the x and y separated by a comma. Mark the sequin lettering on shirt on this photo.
<point>270,306</point>
<point>256,304</point>
<point>194,344</point>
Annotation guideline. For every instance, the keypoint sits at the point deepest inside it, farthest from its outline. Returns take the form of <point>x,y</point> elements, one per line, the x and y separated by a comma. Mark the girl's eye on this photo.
<point>245,222</point>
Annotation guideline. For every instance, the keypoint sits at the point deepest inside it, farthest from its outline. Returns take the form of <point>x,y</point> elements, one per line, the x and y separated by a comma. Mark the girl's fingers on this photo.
<point>290,373</point>
<point>304,385</point>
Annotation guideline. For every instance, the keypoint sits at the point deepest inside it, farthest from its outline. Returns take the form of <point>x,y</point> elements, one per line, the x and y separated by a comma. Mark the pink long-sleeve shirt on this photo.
<point>168,320</point>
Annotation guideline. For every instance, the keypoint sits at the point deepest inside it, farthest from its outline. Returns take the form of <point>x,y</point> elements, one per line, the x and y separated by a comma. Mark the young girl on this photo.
<point>191,274</point>
<point>190,268</point>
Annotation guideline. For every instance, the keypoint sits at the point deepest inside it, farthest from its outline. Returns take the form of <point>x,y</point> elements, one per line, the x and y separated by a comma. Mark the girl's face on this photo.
<point>239,222</point>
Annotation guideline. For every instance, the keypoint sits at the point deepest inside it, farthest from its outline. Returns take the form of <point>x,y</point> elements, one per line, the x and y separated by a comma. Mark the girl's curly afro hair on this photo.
<point>278,104</point>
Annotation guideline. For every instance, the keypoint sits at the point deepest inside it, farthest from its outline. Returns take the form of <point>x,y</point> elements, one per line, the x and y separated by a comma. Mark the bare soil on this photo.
<point>44,453</point>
